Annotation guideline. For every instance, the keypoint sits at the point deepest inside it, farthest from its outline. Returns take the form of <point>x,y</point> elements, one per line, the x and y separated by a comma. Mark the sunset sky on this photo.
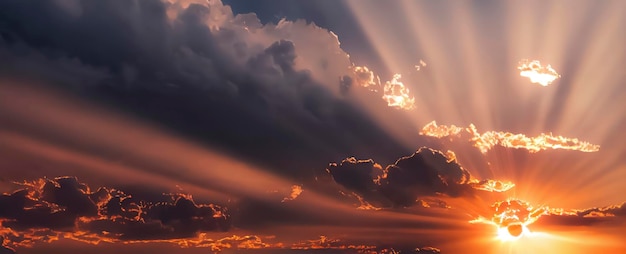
<point>300,126</point>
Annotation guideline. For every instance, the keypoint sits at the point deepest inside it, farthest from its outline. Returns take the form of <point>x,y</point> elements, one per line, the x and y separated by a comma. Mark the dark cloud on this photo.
<point>426,172</point>
<point>197,68</point>
<point>65,206</point>
<point>589,216</point>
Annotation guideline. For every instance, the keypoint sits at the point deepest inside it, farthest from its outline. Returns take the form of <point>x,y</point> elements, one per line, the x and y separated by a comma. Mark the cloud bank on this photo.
<point>48,209</point>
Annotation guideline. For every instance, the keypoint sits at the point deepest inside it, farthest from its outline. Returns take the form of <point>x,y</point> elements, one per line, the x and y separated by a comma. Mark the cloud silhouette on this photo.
<point>427,172</point>
<point>589,216</point>
<point>47,209</point>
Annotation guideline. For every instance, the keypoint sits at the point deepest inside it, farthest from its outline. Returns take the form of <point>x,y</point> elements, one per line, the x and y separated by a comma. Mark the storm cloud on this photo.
<point>272,94</point>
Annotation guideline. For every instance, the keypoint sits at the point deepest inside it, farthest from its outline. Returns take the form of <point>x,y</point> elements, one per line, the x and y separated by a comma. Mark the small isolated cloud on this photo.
<point>48,209</point>
<point>427,172</point>
<point>296,190</point>
<point>533,70</point>
<point>419,66</point>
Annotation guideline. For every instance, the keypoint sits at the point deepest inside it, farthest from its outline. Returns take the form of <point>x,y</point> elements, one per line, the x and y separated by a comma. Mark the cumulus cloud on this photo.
<point>427,172</point>
<point>169,43</point>
<point>199,68</point>
<point>48,209</point>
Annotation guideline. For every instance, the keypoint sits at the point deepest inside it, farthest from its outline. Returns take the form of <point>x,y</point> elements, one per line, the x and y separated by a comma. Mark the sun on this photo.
<point>512,232</point>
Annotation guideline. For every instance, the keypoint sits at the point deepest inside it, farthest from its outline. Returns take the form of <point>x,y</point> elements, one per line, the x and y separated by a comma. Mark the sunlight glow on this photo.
<point>543,75</point>
<point>494,186</point>
<point>512,232</point>
<point>511,218</point>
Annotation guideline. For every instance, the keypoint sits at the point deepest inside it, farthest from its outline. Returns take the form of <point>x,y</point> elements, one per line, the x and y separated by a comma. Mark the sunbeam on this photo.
<point>279,126</point>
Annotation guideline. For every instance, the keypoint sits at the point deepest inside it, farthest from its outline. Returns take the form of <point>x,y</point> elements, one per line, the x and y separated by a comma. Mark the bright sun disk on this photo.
<point>512,232</point>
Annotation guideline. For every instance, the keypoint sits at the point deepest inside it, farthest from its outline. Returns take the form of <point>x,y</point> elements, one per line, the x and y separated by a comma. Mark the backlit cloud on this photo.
<point>48,209</point>
<point>427,172</point>
<point>394,92</point>
<point>487,140</point>
<point>580,217</point>
<point>397,94</point>
<point>533,70</point>
<point>512,218</point>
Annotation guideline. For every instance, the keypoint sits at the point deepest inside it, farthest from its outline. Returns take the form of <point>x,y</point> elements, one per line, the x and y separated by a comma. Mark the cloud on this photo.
<point>47,209</point>
<point>394,92</point>
<point>427,172</point>
<point>487,140</point>
<point>579,217</point>
<point>397,94</point>
<point>326,243</point>
<point>514,211</point>
<point>197,67</point>
<point>296,190</point>
<point>543,75</point>
<point>159,44</point>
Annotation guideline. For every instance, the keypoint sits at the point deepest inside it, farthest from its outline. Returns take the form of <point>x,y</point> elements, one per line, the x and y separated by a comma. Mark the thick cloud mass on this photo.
<point>427,172</point>
<point>269,93</point>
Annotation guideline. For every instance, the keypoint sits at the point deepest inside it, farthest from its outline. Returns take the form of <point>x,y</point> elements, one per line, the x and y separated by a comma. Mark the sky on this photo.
<point>292,126</point>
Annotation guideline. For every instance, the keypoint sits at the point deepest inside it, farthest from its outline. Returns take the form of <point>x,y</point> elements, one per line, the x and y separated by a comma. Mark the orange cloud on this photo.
<point>487,140</point>
<point>45,210</point>
<point>493,185</point>
<point>296,190</point>
<point>512,217</point>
